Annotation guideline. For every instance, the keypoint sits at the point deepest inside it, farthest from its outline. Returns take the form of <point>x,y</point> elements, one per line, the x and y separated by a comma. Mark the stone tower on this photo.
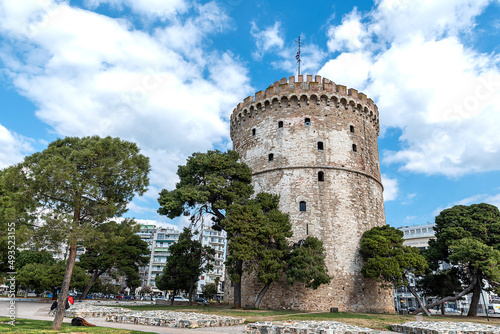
<point>315,144</point>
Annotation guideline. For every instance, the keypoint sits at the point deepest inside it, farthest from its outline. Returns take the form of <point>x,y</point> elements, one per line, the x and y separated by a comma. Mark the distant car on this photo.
<point>200,300</point>
<point>180,299</point>
<point>411,309</point>
<point>118,297</point>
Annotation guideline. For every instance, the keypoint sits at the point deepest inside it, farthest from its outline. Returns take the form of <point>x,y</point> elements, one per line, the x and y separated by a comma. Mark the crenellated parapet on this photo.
<point>306,93</point>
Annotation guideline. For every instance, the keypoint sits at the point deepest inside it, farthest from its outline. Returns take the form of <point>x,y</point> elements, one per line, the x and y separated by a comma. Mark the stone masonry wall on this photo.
<point>323,142</point>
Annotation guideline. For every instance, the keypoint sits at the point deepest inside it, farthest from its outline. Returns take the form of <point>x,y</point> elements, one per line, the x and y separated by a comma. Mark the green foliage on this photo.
<point>209,290</point>
<point>84,182</point>
<point>480,222</point>
<point>468,237</point>
<point>306,264</point>
<point>257,233</point>
<point>46,276</point>
<point>209,183</point>
<point>441,283</point>
<point>120,249</point>
<point>187,260</point>
<point>80,183</point>
<point>386,259</point>
<point>477,255</point>
<point>16,220</point>
<point>31,256</point>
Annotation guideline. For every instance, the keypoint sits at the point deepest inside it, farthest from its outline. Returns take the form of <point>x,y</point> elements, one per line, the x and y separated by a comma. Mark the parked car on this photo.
<point>180,299</point>
<point>411,309</point>
<point>118,296</point>
<point>200,300</point>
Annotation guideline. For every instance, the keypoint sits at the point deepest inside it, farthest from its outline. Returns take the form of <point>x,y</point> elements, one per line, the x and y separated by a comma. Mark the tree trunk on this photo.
<point>54,293</point>
<point>443,312</point>
<point>95,276</point>
<point>174,292</point>
<point>261,295</point>
<point>450,298</point>
<point>237,285</point>
<point>191,288</point>
<point>476,294</point>
<point>26,291</point>
<point>63,295</point>
<point>419,301</point>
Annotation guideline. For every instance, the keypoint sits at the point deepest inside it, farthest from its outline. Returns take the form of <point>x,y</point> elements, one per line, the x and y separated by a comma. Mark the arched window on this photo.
<point>320,145</point>
<point>354,148</point>
<point>271,157</point>
<point>321,176</point>
<point>352,128</point>
<point>253,131</point>
<point>302,206</point>
<point>307,121</point>
<point>280,124</point>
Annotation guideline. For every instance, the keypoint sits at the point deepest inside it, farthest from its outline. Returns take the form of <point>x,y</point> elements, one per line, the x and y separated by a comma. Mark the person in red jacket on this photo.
<point>71,300</point>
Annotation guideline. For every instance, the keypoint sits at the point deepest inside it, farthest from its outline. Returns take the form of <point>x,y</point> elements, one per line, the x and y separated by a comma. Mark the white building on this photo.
<point>159,240</point>
<point>217,240</point>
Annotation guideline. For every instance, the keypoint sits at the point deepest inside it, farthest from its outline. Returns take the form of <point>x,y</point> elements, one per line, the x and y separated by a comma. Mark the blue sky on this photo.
<point>167,74</point>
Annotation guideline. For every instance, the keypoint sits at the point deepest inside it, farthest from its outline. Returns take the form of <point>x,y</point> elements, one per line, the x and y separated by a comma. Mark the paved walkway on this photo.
<point>39,311</point>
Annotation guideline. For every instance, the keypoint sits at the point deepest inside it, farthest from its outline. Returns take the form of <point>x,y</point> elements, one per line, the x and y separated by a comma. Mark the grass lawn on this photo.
<point>40,326</point>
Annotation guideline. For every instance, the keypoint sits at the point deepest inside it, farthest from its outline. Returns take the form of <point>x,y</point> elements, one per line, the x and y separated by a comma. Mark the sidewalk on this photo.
<point>39,311</point>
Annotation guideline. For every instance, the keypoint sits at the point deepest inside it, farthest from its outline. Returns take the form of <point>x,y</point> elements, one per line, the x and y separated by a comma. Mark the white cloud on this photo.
<point>153,8</point>
<point>13,147</point>
<point>351,35</point>
<point>445,97</point>
<point>494,200</point>
<point>90,74</point>
<point>266,40</point>
<point>391,188</point>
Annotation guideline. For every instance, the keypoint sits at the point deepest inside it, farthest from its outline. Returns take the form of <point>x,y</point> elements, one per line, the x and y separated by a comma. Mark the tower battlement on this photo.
<point>306,93</point>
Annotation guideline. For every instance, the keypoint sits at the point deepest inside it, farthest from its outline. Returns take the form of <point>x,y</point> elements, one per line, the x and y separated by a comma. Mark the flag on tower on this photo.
<point>298,55</point>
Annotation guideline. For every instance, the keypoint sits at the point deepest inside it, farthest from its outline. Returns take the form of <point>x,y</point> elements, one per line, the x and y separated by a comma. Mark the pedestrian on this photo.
<point>71,300</point>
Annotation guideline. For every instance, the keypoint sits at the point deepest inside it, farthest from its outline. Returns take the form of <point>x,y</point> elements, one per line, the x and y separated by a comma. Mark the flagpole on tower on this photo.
<point>297,56</point>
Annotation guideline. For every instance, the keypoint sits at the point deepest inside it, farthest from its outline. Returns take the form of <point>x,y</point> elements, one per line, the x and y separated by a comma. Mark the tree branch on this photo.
<point>450,298</point>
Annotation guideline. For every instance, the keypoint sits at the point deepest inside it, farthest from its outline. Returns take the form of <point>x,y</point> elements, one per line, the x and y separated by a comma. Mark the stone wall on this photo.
<point>316,142</point>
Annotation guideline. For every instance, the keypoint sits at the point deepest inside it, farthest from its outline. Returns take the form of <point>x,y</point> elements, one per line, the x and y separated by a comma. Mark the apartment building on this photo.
<point>218,241</point>
<point>159,240</point>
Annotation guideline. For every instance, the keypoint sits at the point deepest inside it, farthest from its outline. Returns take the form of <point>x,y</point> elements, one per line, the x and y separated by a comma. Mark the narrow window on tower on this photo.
<point>354,148</point>
<point>307,229</point>
<point>307,121</point>
<point>321,176</point>
<point>280,124</point>
<point>271,157</point>
<point>320,145</point>
<point>253,131</point>
<point>352,128</point>
<point>302,206</point>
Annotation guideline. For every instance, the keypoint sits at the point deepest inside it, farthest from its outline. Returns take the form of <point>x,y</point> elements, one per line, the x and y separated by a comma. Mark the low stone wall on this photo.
<point>174,319</point>
<point>306,327</point>
<point>93,311</point>
<point>445,327</point>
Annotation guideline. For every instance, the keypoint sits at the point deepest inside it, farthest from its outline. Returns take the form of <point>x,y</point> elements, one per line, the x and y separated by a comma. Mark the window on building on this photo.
<point>280,124</point>
<point>320,145</point>
<point>302,206</point>
<point>253,131</point>
<point>271,157</point>
<point>307,121</point>
<point>352,128</point>
<point>321,176</point>
<point>307,229</point>
<point>354,148</point>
